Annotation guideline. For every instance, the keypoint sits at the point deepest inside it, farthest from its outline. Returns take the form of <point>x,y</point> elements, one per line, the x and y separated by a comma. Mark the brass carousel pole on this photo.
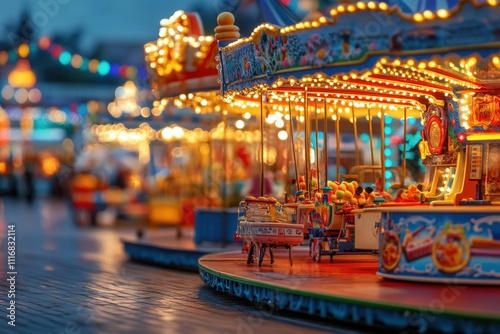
<point>293,145</point>
<point>355,124</point>
<point>337,139</point>
<point>404,148</point>
<point>382,150</point>
<point>224,179</point>
<point>211,167</point>
<point>299,144</point>
<point>307,143</point>
<point>325,145</point>
<point>370,128</point>
<point>317,140</point>
<point>224,158</point>
<point>261,145</point>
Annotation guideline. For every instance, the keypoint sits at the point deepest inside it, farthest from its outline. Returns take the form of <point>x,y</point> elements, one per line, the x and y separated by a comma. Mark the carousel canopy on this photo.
<point>279,12</point>
<point>182,59</point>
<point>393,60</point>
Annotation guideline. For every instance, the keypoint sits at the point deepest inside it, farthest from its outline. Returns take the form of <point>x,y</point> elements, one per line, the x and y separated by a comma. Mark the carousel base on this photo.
<point>348,289</point>
<point>168,248</point>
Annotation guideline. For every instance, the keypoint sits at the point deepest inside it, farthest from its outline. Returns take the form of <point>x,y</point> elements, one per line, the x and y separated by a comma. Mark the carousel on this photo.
<point>207,158</point>
<point>441,67</point>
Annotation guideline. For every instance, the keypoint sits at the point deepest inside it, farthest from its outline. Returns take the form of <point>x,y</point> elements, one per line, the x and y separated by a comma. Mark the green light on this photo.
<point>103,68</point>
<point>365,137</point>
<point>388,174</point>
<point>387,130</point>
<point>65,58</point>
<point>85,64</point>
<point>388,163</point>
<point>387,152</point>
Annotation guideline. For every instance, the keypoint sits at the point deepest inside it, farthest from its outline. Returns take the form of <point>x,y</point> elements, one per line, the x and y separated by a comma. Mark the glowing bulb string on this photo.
<point>77,61</point>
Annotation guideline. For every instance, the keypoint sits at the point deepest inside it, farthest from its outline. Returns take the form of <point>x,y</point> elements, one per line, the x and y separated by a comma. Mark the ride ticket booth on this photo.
<point>461,146</point>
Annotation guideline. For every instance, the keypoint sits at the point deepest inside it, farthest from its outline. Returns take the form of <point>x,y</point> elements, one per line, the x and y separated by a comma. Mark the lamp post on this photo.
<point>21,75</point>
<point>21,89</point>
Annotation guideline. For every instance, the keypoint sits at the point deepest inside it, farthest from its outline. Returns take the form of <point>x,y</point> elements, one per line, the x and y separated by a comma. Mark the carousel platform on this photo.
<point>348,289</point>
<point>172,248</point>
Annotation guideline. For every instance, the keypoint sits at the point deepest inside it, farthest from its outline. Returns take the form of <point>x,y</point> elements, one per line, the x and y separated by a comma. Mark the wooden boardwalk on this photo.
<point>73,279</point>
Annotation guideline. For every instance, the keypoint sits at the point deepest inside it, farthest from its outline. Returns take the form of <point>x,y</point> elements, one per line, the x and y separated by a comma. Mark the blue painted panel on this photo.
<point>215,224</point>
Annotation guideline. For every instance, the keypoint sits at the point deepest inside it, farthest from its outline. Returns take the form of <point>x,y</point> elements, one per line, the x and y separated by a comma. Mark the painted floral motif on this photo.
<point>272,54</point>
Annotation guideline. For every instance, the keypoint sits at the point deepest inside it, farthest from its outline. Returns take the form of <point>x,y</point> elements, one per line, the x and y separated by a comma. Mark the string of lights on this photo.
<point>74,60</point>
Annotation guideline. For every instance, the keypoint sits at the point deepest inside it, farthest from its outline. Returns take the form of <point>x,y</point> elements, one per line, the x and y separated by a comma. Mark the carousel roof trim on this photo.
<point>378,87</point>
<point>426,15</point>
<point>372,6</point>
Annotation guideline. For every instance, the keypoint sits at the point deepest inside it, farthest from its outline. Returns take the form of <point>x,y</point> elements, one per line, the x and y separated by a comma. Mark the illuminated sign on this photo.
<point>485,111</point>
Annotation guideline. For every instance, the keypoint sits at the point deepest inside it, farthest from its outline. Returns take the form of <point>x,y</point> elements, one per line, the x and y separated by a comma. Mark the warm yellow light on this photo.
<point>271,118</point>
<point>279,123</point>
<point>93,65</point>
<point>167,133</point>
<point>50,165</point>
<point>76,61</point>
<point>22,76</point>
<point>178,132</point>
<point>23,50</point>
<point>481,137</point>
<point>283,135</point>
<point>496,61</point>
<point>4,57</point>
<point>418,17</point>
<point>240,124</point>
<point>428,14</point>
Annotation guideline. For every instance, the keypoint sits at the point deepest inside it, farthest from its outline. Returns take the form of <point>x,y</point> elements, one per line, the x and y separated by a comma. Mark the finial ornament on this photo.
<point>226,30</point>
